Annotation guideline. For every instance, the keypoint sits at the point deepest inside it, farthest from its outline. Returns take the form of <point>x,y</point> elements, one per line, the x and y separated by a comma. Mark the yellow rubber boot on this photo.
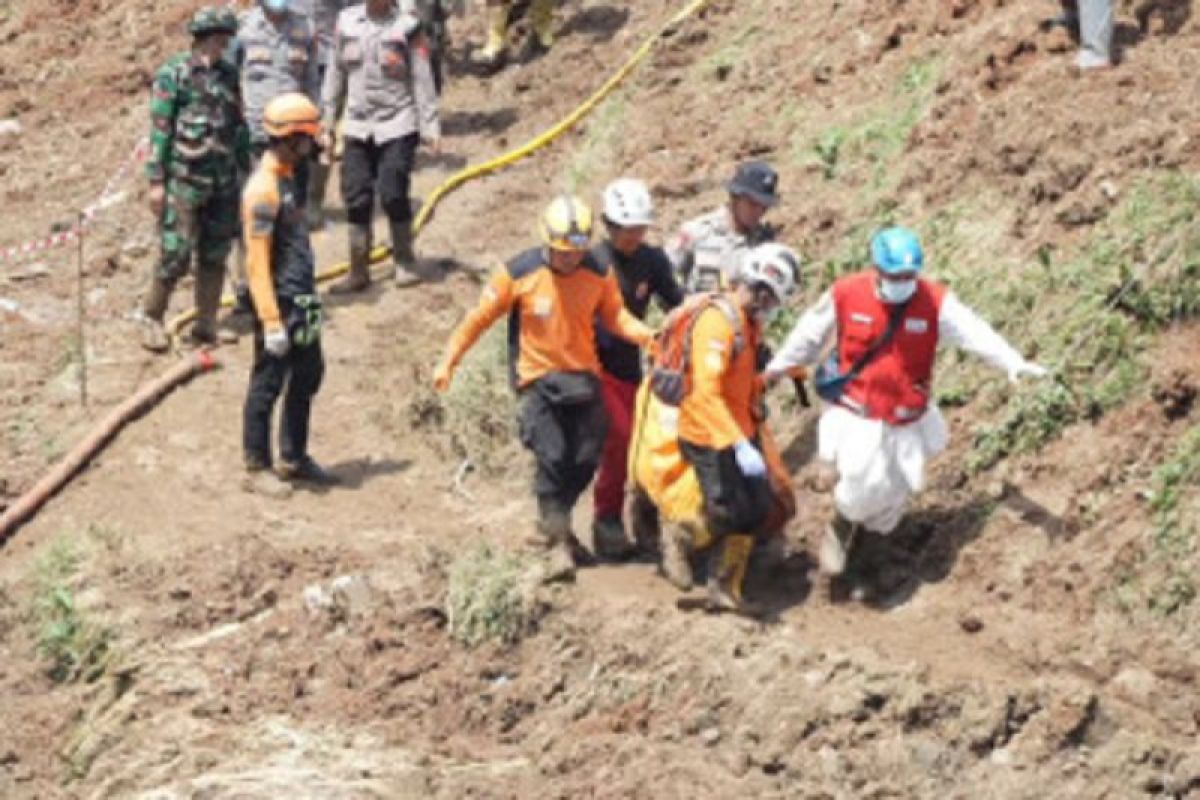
<point>497,31</point>
<point>728,573</point>
<point>541,15</point>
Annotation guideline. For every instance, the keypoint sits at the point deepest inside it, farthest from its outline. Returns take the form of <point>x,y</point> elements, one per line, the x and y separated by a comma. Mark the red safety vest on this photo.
<point>895,385</point>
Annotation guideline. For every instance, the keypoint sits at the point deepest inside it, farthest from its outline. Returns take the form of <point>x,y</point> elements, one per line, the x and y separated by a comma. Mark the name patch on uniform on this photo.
<point>865,319</point>
<point>542,306</point>
<point>717,345</point>
<point>258,55</point>
<point>916,325</point>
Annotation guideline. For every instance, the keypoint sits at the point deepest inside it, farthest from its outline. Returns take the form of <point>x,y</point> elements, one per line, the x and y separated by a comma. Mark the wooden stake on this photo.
<point>80,337</point>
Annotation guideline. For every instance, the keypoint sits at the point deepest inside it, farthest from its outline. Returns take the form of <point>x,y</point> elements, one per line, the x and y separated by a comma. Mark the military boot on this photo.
<point>318,179</point>
<point>405,259</point>
<point>154,308</point>
<point>497,30</point>
<point>676,564</point>
<point>553,533</point>
<point>541,15</point>
<point>836,544</point>
<point>209,282</point>
<point>727,573</point>
<point>359,277</point>
<point>609,539</point>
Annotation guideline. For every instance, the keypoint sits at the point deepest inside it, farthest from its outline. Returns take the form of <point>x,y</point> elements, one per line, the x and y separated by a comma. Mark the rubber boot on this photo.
<point>609,539</point>
<point>497,31</point>
<point>727,573</point>
<point>154,308</point>
<point>541,15</point>
<point>554,534</point>
<point>676,565</point>
<point>359,277</point>
<point>643,522</point>
<point>836,544</point>
<point>209,283</point>
<point>318,180</point>
<point>403,256</point>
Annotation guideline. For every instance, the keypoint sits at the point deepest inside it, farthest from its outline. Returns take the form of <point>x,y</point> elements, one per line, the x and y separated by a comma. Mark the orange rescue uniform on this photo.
<point>551,316</point>
<point>719,409</point>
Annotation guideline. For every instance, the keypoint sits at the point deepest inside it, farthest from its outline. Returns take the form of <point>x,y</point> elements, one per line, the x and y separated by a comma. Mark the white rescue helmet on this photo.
<point>773,265</point>
<point>627,203</point>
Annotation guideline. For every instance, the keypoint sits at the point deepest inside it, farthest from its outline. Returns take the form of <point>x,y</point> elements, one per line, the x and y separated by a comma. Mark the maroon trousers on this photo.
<point>619,398</point>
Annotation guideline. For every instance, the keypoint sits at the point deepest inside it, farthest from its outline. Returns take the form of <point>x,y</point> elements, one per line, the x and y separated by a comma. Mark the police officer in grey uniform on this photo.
<point>707,251</point>
<point>324,14</point>
<point>277,54</point>
<point>380,63</point>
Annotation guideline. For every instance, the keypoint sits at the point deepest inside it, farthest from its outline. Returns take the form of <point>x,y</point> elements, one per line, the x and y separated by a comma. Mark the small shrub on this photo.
<point>75,646</point>
<point>486,601</point>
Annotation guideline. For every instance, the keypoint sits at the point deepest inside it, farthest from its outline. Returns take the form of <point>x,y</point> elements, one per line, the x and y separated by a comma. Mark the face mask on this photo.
<point>276,6</point>
<point>896,291</point>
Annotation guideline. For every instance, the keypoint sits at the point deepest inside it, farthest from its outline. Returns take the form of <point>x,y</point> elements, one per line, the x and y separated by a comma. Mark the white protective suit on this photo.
<point>881,465</point>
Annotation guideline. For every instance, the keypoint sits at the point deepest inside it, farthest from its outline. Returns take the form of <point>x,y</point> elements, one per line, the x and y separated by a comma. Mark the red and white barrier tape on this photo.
<point>108,197</point>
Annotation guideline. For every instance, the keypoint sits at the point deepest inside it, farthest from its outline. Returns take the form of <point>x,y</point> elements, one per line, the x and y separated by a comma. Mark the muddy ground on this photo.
<point>1047,648</point>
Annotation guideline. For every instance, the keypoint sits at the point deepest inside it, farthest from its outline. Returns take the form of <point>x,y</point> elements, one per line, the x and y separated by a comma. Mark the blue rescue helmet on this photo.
<point>897,250</point>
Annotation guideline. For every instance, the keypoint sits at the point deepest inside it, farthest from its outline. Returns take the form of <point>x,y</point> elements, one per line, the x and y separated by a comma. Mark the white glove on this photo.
<point>276,342</point>
<point>749,460</point>
<point>1026,368</point>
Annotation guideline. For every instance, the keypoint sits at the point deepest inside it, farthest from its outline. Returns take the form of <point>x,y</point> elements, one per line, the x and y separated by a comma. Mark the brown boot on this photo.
<point>676,565</point>
<point>553,533</point>
<point>727,572</point>
<point>154,308</point>
<point>359,277</point>
<point>209,281</point>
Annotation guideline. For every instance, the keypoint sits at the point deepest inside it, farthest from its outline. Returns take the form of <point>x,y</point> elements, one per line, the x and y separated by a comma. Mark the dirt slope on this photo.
<point>1048,649</point>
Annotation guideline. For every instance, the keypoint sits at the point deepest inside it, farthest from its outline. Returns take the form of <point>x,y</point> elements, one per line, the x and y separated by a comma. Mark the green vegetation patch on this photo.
<point>487,600</point>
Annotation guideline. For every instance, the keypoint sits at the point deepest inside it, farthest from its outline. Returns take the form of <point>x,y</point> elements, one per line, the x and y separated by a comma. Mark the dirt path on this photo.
<point>1002,676</point>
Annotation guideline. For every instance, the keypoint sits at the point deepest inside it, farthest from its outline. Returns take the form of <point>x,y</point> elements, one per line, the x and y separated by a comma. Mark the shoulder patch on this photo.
<point>262,216</point>
<point>525,264</point>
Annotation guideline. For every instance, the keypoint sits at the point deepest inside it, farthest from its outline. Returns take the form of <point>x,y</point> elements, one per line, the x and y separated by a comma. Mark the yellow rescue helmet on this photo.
<point>289,114</point>
<point>567,224</point>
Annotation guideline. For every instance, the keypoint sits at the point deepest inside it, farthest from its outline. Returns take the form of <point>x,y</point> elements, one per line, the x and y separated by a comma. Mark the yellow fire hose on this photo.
<point>499,162</point>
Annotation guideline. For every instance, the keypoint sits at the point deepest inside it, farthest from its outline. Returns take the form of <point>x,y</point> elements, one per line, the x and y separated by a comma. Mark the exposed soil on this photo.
<point>1011,669</point>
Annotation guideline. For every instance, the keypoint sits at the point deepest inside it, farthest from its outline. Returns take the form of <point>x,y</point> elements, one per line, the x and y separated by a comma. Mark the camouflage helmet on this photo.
<point>212,19</point>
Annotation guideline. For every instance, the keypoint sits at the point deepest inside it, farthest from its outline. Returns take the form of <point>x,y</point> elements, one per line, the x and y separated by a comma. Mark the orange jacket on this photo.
<point>718,411</point>
<point>551,316</point>
<point>279,258</point>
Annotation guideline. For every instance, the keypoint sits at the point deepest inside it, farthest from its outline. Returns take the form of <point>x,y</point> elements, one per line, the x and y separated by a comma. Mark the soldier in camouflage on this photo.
<point>198,143</point>
<point>708,250</point>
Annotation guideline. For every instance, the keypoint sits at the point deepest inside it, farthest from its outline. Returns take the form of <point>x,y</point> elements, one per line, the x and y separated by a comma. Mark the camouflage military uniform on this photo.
<point>707,251</point>
<point>198,143</point>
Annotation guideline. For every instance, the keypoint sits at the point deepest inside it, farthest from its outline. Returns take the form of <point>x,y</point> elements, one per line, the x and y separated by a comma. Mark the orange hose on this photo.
<point>28,504</point>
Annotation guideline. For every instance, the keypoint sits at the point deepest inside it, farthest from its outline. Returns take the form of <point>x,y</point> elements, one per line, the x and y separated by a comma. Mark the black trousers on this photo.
<point>733,503</point>
<point>366,166</point>
<point>566,439</point>
<point>301,370</point>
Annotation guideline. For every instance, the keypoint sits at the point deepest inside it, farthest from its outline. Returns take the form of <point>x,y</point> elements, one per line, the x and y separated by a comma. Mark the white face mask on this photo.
<point>897,291</point>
